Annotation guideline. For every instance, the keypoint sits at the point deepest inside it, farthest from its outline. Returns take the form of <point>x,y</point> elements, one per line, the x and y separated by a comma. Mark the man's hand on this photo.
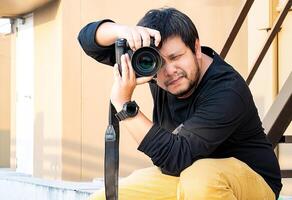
<point>137,36</point>
<point>125,83</point>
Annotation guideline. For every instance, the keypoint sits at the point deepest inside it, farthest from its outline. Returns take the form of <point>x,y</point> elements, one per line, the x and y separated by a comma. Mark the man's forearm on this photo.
<point>106,34</point>
<point>138,126</point>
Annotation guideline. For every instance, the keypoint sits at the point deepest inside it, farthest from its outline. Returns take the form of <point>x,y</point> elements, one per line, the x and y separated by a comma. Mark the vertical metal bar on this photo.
<point>236,28</point>
<point>275,29</point>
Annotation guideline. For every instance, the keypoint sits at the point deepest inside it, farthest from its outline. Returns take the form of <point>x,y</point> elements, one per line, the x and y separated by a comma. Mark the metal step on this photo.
<point>286,139</point>
<point>287,173</point>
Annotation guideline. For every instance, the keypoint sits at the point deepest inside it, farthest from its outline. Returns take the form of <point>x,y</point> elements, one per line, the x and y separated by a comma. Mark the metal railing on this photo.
<point>236,28</point>
<point>279,116</point>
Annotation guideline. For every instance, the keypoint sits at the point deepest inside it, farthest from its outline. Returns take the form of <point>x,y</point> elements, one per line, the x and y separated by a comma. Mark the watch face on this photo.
<point>132,109</point>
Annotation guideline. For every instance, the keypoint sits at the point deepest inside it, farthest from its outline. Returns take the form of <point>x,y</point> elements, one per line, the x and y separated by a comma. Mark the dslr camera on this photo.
<point>146,61</point>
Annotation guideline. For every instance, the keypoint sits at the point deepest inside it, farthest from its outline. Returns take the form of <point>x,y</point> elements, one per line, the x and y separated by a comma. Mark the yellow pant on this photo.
<point>211,179</point>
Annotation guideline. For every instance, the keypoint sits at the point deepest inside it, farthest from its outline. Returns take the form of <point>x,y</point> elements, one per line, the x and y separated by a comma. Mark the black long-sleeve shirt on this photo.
<point>219,120</point>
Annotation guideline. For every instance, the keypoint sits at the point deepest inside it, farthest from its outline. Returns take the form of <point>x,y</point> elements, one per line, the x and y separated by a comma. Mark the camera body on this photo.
<point>146,61</point>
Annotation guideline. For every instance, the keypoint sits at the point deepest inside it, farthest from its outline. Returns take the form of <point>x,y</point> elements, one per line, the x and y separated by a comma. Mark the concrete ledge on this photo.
<point>15,186</point>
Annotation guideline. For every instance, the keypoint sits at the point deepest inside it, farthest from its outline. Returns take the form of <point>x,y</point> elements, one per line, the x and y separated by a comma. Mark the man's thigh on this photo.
<point>227,179</point>
<point>145,184</point>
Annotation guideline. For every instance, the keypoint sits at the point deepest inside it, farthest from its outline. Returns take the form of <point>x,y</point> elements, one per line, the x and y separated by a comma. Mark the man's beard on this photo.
<point>193,83</point>
<point>191,87</point>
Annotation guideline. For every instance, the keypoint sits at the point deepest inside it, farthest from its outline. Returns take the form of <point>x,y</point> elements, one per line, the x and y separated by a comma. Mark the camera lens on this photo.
<point>146,61</point>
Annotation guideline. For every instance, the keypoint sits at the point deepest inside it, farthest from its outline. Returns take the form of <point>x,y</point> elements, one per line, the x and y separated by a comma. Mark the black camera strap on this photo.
<point>111,158</point>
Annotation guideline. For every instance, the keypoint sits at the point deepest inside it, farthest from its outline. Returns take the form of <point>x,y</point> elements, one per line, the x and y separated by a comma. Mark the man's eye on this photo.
<point>175,57</point>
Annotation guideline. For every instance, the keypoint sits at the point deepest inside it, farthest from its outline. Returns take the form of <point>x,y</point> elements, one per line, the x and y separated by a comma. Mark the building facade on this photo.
<point>54,98</point>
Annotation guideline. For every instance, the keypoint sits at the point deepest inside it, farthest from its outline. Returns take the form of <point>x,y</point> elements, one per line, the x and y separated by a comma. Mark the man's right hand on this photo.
<point>137,36</point>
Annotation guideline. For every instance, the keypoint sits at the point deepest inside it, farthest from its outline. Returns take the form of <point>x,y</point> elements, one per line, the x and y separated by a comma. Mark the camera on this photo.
<point>146,61</point>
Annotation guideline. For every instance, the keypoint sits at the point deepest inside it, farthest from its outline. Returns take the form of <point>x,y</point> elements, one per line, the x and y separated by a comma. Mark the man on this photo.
<point>206,138</point>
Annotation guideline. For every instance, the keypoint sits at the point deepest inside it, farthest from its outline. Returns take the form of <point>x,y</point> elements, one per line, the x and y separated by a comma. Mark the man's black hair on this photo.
<point>171,22</point>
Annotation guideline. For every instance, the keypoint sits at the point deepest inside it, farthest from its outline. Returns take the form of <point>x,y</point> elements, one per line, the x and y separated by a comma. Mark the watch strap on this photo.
<point>121,115</point>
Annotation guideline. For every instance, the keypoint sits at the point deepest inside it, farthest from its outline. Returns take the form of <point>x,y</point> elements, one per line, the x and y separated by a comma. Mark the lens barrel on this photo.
<point>146,61</point>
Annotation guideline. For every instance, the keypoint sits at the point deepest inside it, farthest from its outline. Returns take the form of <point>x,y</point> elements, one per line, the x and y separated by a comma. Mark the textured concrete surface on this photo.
<point>16,186</point>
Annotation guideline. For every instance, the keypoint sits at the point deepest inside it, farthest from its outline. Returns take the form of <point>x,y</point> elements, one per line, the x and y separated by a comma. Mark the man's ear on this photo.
<point>198,52</point>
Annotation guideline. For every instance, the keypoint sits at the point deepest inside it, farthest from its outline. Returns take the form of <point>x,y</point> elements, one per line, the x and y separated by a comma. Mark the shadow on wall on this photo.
<point>50,11</point>
<point>79,161</point>
<point>4,148</point>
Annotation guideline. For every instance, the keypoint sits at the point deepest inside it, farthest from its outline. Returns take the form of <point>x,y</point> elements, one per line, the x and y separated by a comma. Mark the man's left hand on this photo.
<point>125,83</point>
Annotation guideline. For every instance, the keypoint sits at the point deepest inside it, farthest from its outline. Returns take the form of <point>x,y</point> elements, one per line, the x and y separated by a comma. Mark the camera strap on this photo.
<point>111,158</point>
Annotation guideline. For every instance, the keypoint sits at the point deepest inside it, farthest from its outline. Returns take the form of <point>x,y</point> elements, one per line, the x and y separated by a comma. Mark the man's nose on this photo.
<point>169,69</point>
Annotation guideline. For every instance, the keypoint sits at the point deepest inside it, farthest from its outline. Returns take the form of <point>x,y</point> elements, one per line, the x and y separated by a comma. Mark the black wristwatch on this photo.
<point>130,109</point>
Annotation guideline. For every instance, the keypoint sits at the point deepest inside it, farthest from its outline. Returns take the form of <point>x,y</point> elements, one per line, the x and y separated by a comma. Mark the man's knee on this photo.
<point>203,168</point>
<point>200,180</point>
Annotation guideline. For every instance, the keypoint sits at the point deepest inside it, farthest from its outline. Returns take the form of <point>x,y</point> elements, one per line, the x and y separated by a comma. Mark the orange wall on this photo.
<point>48,91</point>
<point>72,90</point>
<point>5,56</point>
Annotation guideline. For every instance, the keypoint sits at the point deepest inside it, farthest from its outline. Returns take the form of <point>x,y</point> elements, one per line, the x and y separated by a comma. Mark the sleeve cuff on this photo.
<point>148,137</point>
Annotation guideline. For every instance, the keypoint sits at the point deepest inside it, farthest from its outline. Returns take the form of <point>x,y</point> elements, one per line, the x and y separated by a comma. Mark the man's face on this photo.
<point>180,72</point>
